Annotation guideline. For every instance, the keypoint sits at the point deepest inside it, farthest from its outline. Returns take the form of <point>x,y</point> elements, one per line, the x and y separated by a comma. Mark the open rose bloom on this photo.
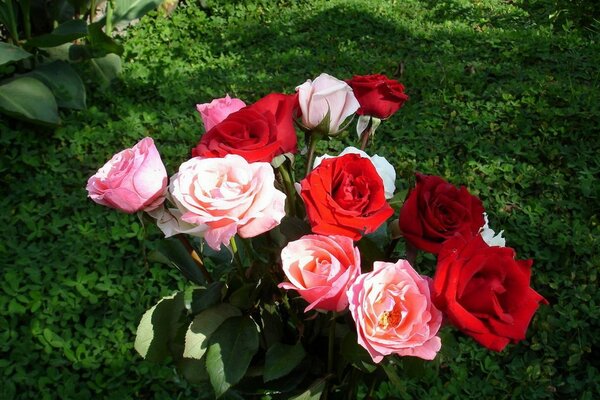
<point>225,196</point>
<point>287,263</point>
<point>393,312</point>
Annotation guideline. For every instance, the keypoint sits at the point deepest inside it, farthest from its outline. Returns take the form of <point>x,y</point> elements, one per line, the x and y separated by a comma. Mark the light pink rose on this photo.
<point>393,312</point>
<point>225,196</point>
<point>134,179</point>
<point>320,268</point>
<point>326,94</point>
<point>217,110</point>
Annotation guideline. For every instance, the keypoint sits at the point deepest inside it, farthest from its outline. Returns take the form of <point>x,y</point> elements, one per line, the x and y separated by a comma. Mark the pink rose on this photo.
<point>217,110</point>
<point>320,268</point>
<point>393,312</point>
<point>324,95</point>
<point>134,179</point>
<point>225,196</point>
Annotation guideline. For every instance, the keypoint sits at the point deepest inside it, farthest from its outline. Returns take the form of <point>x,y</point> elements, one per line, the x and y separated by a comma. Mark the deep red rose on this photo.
<point>258,132</point>
<point>345,196</point>
<point>484,291</point>
<point>377,95</point>
<point>435,210</point>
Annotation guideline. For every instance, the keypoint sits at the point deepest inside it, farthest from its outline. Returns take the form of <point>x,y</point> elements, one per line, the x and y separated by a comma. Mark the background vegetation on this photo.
<point>503,100</point>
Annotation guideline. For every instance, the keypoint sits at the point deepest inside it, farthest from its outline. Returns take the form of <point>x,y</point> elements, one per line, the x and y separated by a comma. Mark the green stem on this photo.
<point>92,10</point>
<point>25,9</point>
<point>236,255</point>
<point>12,23</point>
<point>331,343</point>
<point>312,145</point>
<point>109,16</point>
<point>195,256</point>
<point>289,188</point>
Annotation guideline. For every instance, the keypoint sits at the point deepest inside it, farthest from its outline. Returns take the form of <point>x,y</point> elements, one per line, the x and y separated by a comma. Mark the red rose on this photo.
<point>484,291</point>
<point>258,132</point>
<point>435,210</point>
<point>345,196</point>
<point>378,96</point>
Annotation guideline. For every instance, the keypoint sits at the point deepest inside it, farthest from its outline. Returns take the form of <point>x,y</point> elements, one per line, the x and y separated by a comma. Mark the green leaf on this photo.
<point>356,354</point>
<point>397,201</point>
<point>107,67</point>
<point>201,298</point>
<point>203,326</point>
<point>158,327</point>
<point>314,392</point>
<point>392,375</point>
<point>231,348</point>
<point>29,99</point>
<point>194,371</point>
<point>11,53</point>
<point>102,44</point>
<point>65,83</point>
<point>127,10</point>
<point>178,257</point>
<point>66,32</point>
<point>243,297</point>
<point>281,359</point>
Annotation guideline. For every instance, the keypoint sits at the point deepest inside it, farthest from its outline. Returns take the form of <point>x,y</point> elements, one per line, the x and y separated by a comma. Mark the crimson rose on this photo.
<point>435,210</point>
<point>484,291</point>
<point>377,95</point>
<point>345,196</point>
<point>258,132</point>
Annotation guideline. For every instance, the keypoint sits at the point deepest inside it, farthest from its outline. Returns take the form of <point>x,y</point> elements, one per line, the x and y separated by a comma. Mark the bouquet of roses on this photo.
<point>296,289</point>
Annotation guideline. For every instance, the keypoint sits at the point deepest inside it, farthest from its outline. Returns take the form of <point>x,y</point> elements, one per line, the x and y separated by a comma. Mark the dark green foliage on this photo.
<point>500,104</point>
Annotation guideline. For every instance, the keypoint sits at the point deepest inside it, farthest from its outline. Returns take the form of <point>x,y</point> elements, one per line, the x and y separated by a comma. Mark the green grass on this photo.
<point>499,103</point>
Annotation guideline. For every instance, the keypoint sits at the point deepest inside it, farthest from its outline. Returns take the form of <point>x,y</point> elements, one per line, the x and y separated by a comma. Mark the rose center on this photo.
<point>388,318</point>
<point>352,192</point>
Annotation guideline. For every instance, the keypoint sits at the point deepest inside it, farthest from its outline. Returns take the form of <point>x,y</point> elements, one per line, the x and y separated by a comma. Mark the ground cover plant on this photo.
<point>499,102</point>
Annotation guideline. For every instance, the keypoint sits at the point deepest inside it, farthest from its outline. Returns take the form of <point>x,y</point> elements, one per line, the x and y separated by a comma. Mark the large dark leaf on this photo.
<point>201,298</point>
<point>281,359</point>
<point>107,68</point>
<point>203,326</point>
<point>158,327</point>
<point>11,53</point>
<point>65,83</point>
<point>29,99</point>
<point>64,33</point>
<point>231,348</point>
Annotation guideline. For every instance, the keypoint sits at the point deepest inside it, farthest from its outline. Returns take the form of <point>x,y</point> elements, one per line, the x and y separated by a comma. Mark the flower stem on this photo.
<point>364,138</point>
<point>331,343</point>
<point>289,188</point>
<point>195,256</point>
<point>312,145</point>
<point>236,255</point>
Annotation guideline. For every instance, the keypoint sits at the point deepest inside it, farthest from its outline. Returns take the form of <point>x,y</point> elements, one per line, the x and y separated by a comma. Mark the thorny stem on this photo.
<point>195,257</point>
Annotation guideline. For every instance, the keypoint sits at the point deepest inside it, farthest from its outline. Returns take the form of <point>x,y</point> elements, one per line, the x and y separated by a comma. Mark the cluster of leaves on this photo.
<point>501,105</point>
<point>44,38</point>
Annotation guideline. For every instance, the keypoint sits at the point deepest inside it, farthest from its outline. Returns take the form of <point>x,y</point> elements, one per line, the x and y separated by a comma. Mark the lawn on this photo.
<point>499,101</point>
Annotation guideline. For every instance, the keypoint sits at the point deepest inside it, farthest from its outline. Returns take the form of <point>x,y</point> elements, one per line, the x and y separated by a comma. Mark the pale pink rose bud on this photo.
<point>225,196</point>
<point>324,95</point>
<point>217,110</point>
<point>320,268</point>
<point>133,180</point>
<point>394,313</point>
